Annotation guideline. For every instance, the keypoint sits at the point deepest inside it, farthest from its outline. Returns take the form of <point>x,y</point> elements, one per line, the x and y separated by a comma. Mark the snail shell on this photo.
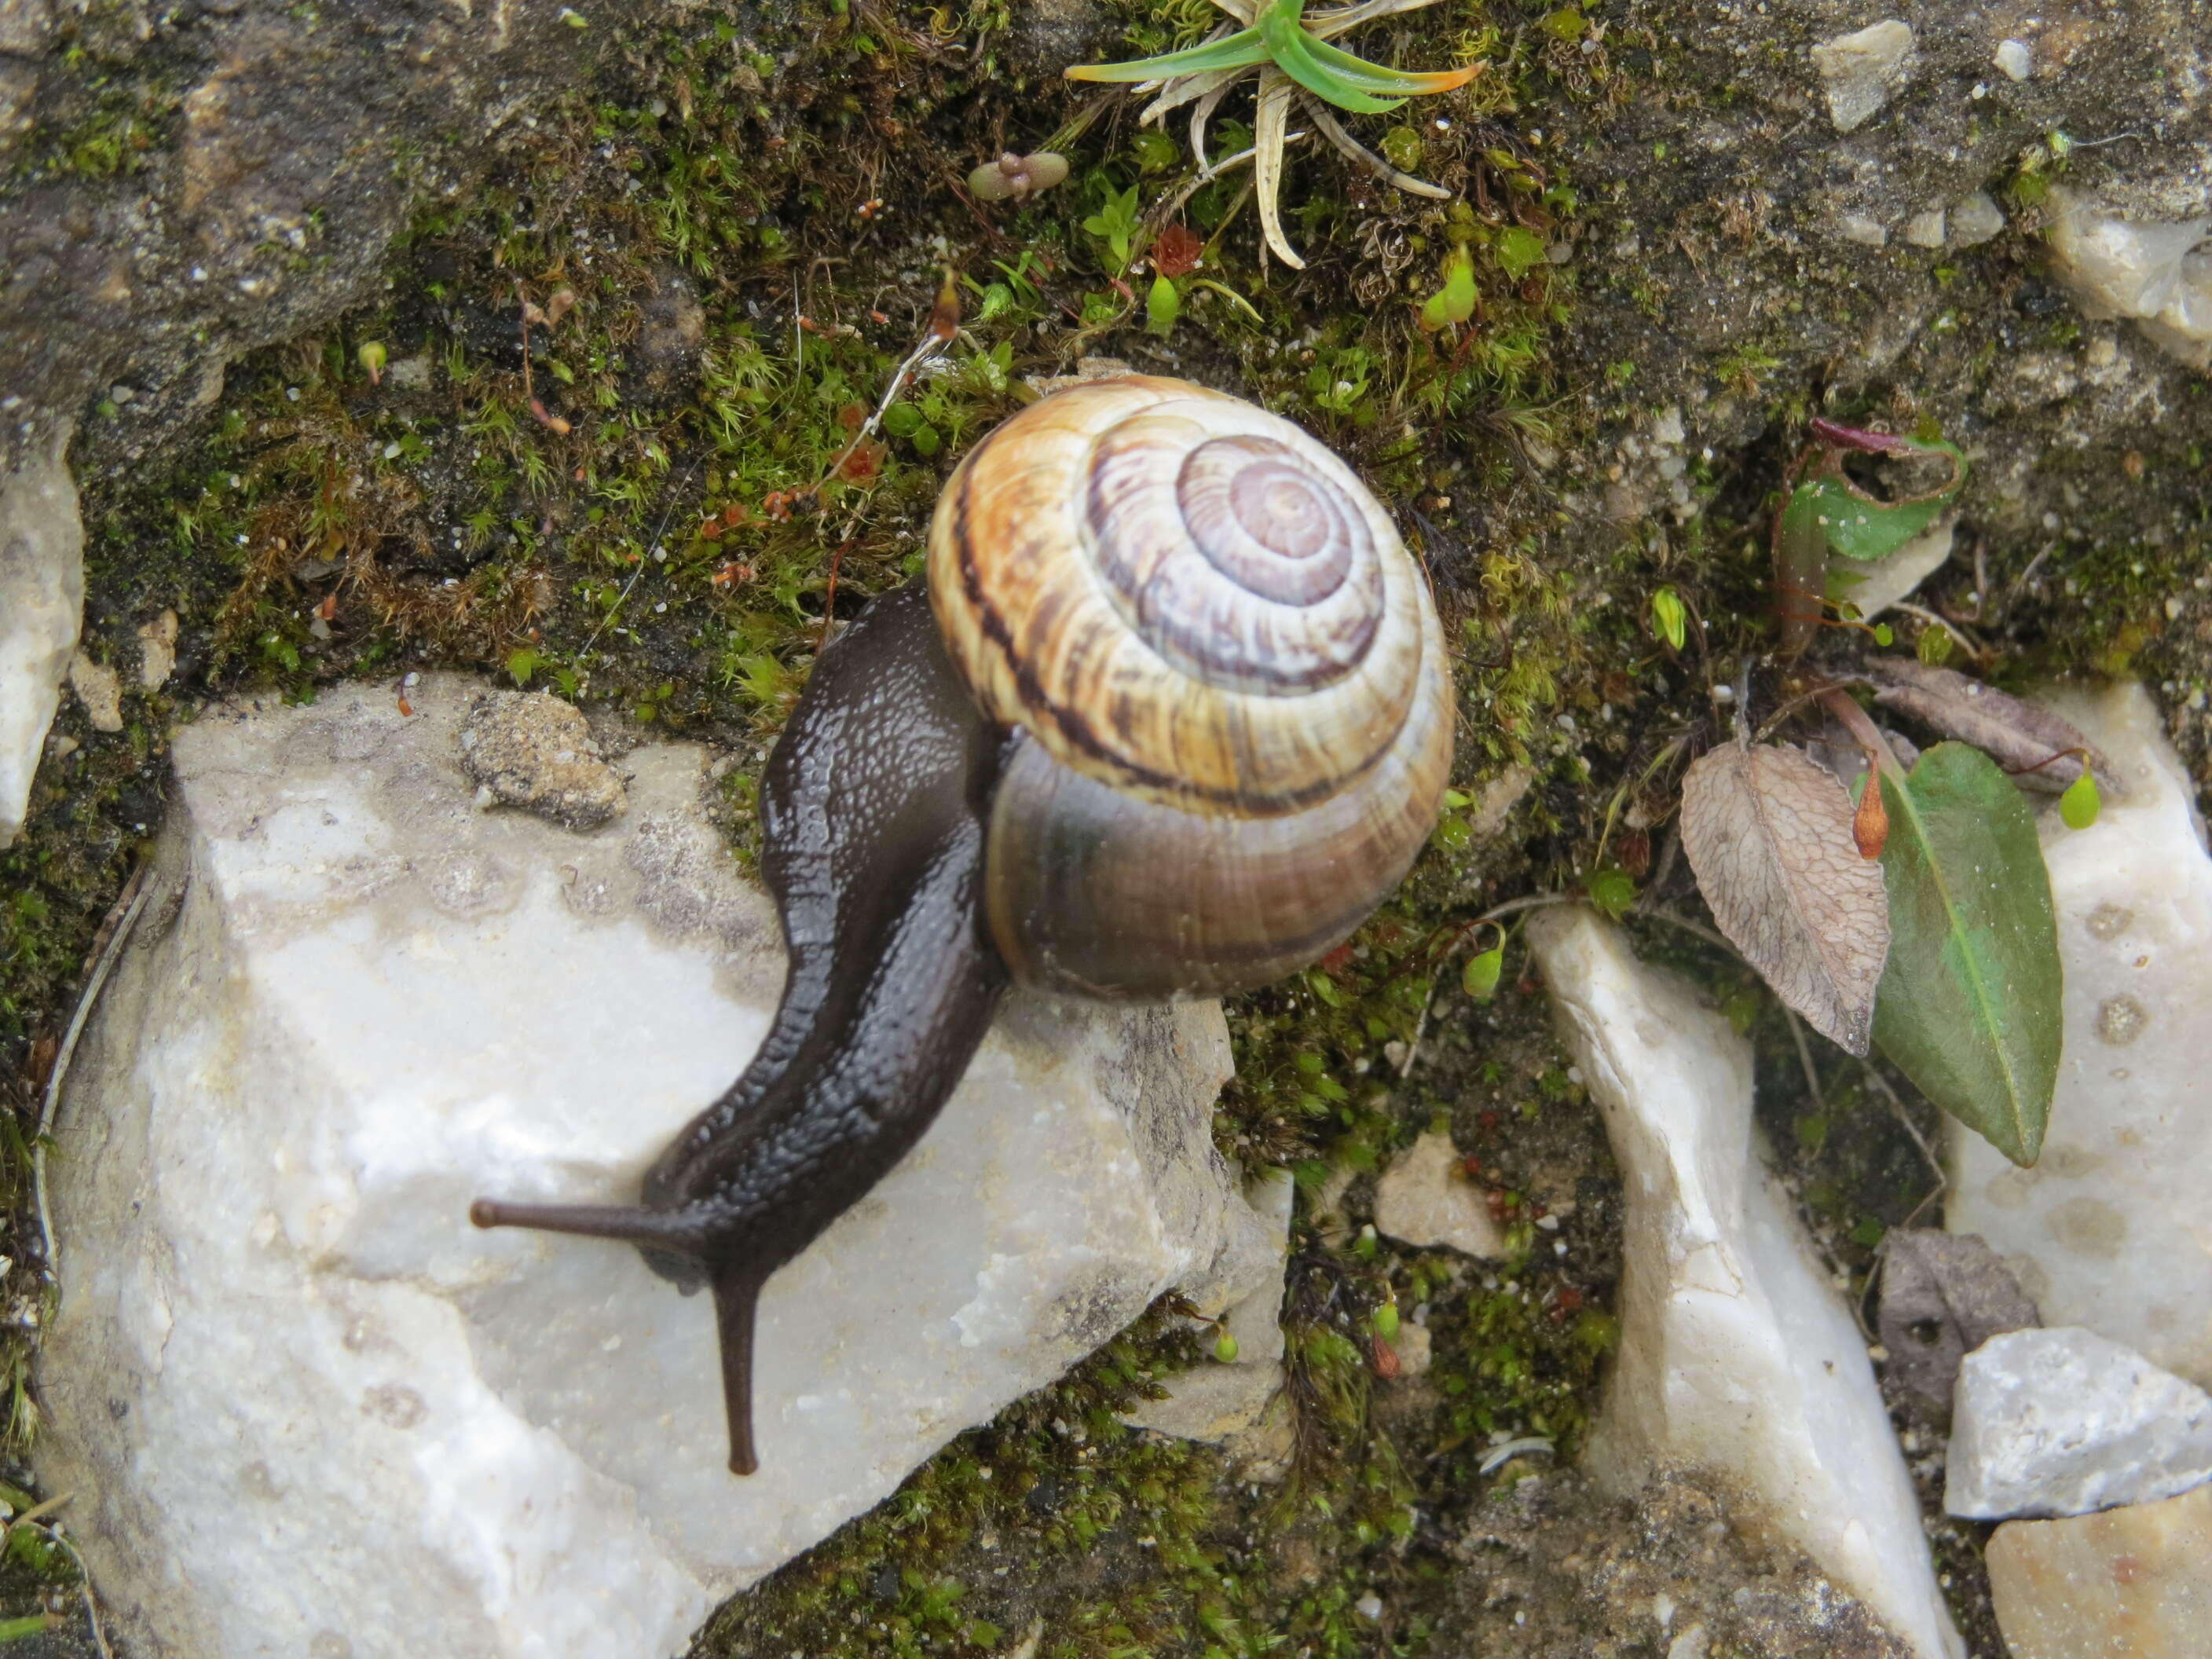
<point>1229,678</point>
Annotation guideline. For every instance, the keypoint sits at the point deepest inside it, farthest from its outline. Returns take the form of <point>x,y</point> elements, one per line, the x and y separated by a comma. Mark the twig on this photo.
<point>1805,1056</point>
<point>1897,1109</point>
<point>120,920</point>
<point>84,1586</point>
<point>931,344</point>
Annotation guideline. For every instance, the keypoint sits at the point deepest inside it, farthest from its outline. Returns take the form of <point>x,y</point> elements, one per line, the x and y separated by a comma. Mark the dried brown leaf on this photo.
<point>2021,736</point>
<point>1769,832</point>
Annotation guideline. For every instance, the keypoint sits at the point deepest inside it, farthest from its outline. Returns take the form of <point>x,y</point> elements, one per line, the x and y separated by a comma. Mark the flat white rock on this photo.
<point>1861,71</point>
<point>2158,273</point>
<point>1425,1197</point>
<point>304,1408</point>
<point>1735,1355</point>
<point>41,606</point>
<point>2107,1231</point>
<point>2062,1421</point>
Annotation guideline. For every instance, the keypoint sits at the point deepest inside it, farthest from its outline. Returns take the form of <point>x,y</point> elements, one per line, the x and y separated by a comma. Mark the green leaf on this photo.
<point>1969,1006</point>
<point>1163,305</point>
<point>1291,48</point>
<point>1858,526</point>
<point>2079,804</point>
<point>1479,979</point>
<point>1669,618</point>
<point>1612,889</point>
<point>1239,51</point>
<point>1519,252</point>
<point>1455,301</point>
<point>522,663</point>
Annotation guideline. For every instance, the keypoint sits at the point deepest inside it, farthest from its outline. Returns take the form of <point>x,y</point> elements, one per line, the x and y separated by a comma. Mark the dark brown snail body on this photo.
<point>1171,718</point>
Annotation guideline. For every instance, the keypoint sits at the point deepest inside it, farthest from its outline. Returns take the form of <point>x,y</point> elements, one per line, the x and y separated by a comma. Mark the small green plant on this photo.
<point>1296,64</point>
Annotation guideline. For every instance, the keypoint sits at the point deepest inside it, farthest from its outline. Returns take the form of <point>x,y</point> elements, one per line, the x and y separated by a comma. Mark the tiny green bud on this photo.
<point>1225,1348</point>
<point>1479,979</point>
<point>372,357</point>
<point>1670,618</point>
<point>1385,1321</point>
<point>2081,803</point>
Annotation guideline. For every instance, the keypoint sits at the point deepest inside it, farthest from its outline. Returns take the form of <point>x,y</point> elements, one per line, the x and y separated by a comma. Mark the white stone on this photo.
<point>1876,586</point>
<point>1860,71</point>
<point>2153,273</point>
<point>300,1402</point>
<point>1975,220</point>
<point>2108,1231</point>
<point>2063,1421</point>
<point>1857,227</point>
<point>1425,1197</point>
<point>2016,57</point>
<point>1924,230</point>
<point>1219,1402</point>
<point>1736,1356</point>
<point>41,605</point>
<point>2128,1583</point>
<point>100,688</point>
<point>157,651</point>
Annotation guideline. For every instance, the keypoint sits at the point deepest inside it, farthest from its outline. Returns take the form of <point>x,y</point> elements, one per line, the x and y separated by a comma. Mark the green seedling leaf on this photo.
<point>1163,305</point>
<point>1385,1321</point>
<point>1455,301</point>
<point>1291,48</point>
<point>1612,889</point>
<point>1225,1348</point>
<point>1239,51</point>
<point>2079,804</point>
<point>1670,620</point>
<point>1969,1006</point>
<point>1519,252</point>
<point>1479,979</point>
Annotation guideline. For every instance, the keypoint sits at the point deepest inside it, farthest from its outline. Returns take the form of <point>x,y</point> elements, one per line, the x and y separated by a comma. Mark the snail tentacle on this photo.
<point>874,806</point>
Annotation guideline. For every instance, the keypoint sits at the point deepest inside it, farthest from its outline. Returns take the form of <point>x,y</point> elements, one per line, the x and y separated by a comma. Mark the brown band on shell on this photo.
<point>1078,729</point>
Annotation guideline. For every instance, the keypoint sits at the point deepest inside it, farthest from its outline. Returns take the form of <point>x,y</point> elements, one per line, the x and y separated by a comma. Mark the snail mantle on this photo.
<point>298,1398</point>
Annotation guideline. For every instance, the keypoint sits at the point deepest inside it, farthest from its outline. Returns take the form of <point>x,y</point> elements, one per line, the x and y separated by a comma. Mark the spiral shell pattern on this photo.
<point>1135,531</point>
<point>1230,677</point>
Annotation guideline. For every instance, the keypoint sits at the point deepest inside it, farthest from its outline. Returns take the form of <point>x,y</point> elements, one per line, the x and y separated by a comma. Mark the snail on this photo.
<point>1170,716</point>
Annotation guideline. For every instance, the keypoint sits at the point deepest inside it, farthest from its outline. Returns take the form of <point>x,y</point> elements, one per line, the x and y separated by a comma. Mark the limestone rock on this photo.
<point>1880,584</point>
<point>537,752</point>
<point>1426,1198</point>
<point>1976,220</point>
<point>1736,1355</point>
<point>1861,71</point>
<point>2158,273</point>
<point>100,688</point>
<point>298,1398</point>
<point>2063,1422</point>
<point>41,604</point>
<point>157,651</point>
<point>2106,1232</point>
<point>1224,1402</point>
<point>2129,1583</point>
<point>1942,1295</point>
